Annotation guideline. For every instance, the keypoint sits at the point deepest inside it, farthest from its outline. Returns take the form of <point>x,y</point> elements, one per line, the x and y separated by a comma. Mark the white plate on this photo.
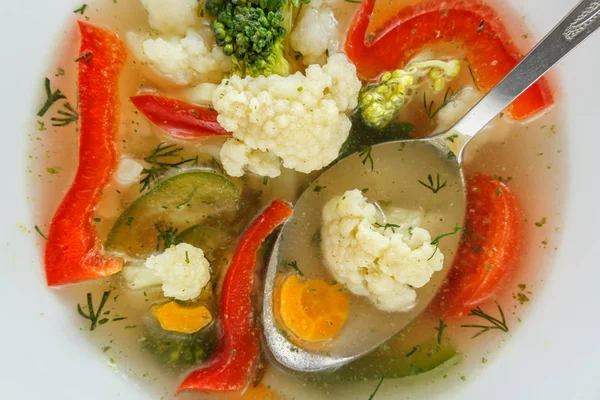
<point>554,355</point>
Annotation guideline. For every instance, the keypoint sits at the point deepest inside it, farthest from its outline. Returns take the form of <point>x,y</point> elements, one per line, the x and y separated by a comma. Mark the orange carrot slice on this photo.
<point>175,317</point>
<point>313,310</point>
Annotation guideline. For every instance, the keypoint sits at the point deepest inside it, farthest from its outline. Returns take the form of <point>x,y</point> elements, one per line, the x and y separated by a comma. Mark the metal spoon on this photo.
<point>398,167</point>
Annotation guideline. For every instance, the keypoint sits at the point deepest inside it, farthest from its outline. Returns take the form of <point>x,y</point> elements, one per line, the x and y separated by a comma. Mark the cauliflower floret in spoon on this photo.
<point>383,262</point>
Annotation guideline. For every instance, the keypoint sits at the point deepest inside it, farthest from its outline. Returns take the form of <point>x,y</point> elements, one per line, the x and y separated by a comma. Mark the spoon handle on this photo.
<point>580,23</point>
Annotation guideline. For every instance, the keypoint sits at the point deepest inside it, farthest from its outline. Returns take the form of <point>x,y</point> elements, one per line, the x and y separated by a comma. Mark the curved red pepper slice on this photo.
<point>74,251</point>
<point>233,363</point>
<point>489,248</point>
<point>490,52</point>
<point>178,118</point>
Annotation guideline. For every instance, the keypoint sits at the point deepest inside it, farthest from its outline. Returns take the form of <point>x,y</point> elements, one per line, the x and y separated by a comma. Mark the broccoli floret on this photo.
<point>179,349</point>
<point>253,33</point>
<point>381,102</point>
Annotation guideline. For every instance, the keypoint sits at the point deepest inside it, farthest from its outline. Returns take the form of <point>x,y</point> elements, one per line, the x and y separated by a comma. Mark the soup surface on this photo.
<point>177,183</point>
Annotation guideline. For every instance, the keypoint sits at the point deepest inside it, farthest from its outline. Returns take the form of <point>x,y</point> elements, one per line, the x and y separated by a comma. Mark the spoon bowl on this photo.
<point>394,179</point>
<point>390,172</point>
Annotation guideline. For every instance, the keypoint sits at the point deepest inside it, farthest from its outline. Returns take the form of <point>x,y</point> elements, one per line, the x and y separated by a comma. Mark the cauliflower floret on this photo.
<point>171,16</point>
<point>455,110</point>
<point>184,61</point>
<point>201,94</point>
<point>299,119</point>
<point>316,34</point>
<point>380,261</point>
<point>128,171</point>
<point>138,277</point>
<point>236,157</point>
<point>183,270</point>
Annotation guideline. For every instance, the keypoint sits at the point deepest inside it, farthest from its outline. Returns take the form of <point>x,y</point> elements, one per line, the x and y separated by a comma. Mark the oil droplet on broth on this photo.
<point>394,182</point>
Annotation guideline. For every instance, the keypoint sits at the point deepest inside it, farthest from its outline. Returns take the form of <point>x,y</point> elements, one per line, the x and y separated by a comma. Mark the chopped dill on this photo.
<point>473,77</point>
<point>413,351</point>
<point>436,241</point>
<point>541,222</point>
<point>67,117</point>
<point>266,180</point>
<point>440,330</point>
<point>316,238</point>
<point>81,9</point>
<point>52,97</point>
<point>318,188</point>
<point>495,322</point>
<point>166,236</point>
<point>38,230</point>
<point>453,137</point>
<point>434,187</point>
<point>380,381</point>
<point>187,257</point>
<point>449,97</point>
<point>387,226</point>
<point>91,315</point>
<point>365,154</point>
<point>294,265</point>
<point>86,57</point>
<point>217,166</point>
<point>160,163</point>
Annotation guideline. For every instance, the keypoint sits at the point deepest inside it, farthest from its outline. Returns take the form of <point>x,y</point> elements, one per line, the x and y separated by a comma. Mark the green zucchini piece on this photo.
<point>391,364</point>
<point>173,205</point>
<point>213,242</point>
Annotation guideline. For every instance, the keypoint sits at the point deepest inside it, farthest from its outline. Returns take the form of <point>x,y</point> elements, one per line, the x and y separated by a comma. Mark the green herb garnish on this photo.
<point>52,97</point>
<point>495,323</point>
<point>436,241</point>
<point>187,257</point>
<point>294,265</point>
<point>160,163</point>
<point>93,316</point>
<point>449,97</point>
<point>387,226</point>
<point>38,230</point>
<point>451,138</point>
<point>217,166</point>
<point>541,222</point>
<point>86,57</point>
<point>434,187</point>
<point>67,117</point>
<point>365,154</point>
<point>376,388</point>
<point>473,77</point>
<point>81,9</point>
<point>440,330</point>
<point>166,236</point>
<point>413,351</point>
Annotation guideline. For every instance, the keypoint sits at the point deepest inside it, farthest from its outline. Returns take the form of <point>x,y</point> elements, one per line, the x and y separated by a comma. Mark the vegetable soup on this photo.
<point>173,139</point>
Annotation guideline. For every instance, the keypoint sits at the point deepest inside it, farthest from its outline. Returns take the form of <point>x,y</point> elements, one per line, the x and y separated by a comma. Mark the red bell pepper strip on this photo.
<point>490,52</point>
<point>178,118</point>
<point>489,249</point>
<point>233,363</point>
<point>74,251</point>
